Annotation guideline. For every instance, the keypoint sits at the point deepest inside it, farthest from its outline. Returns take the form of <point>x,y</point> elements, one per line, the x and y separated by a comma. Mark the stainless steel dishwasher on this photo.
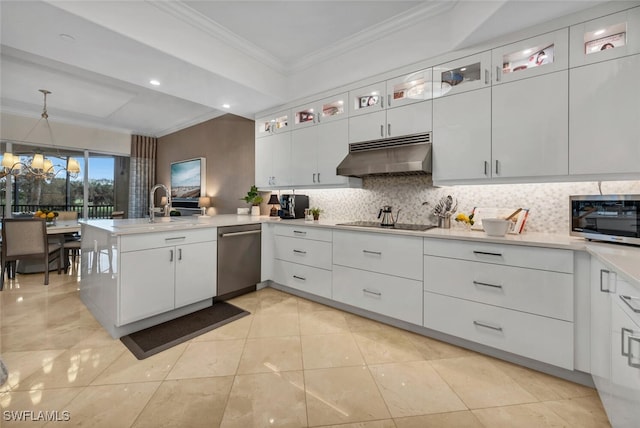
<point>238,260</point>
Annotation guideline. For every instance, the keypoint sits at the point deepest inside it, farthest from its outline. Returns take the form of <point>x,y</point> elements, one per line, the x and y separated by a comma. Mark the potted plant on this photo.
<point>253,198</point>
<point>315,212</point>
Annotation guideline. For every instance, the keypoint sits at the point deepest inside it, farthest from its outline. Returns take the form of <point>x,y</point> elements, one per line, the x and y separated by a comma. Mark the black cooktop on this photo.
<point>398,226</point>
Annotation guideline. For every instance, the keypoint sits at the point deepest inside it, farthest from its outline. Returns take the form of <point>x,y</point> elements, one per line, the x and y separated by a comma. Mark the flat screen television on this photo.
<point>187,182</point>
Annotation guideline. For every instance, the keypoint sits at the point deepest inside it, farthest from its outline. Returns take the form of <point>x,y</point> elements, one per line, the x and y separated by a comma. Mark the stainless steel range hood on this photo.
<point>408,155</point>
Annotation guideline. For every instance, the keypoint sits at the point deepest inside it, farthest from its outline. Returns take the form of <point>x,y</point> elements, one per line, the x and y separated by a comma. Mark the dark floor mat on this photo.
<point>150,341</point>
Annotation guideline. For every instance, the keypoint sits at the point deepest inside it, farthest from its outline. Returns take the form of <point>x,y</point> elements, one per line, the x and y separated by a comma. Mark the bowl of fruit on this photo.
<point>48,215</point>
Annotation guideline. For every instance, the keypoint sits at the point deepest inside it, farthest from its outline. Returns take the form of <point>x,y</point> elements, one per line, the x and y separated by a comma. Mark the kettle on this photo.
<point>387,216</point>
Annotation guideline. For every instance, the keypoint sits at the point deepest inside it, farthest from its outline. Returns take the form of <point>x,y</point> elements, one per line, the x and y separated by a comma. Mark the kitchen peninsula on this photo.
<point>136,274</point>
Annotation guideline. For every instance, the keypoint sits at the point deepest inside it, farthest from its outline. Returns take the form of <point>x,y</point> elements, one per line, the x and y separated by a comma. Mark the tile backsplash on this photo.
<point>548,202</point>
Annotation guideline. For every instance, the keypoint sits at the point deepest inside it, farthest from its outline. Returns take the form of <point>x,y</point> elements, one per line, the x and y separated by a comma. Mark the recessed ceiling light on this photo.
<point>226,106</point>
<point>597,33</point>
<point>463,69</point>
<point>154,82</point>
<point>67,37</point>
<point>527,51</point>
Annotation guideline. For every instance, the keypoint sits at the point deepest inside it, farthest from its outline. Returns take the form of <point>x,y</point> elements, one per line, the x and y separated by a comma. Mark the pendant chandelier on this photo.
<point>39,166</point>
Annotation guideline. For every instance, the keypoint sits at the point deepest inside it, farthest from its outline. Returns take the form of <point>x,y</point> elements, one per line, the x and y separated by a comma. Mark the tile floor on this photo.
<point>292,363</point>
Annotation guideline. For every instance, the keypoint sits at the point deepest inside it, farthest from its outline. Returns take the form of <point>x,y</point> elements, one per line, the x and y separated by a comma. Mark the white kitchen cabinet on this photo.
<point>529,127</point>
<point>516,298</point>
<point>395,122</point>
<point>196,272</point>
<point>542,338</point>
<point>532,57</point>
<point>303,251</point>
<point>462,136</point>
<point>275,123</point>
<point>303,259</point>
<point>603,284</point>
<point>604,118</point>
<point>367,99</point>
<point>321,111</point>
<point>528,290</point>
<point>316,152</point>
<point>625,357</point>
<point>410,88</point>
<point>462,75</point>
<point>615,344</point>
<point>398,298</point>
<point>302,277</point>
<point>388,254</point>
<point>273,160</point>
<point>146,292</point>
<point>609,37</point>
<point>184,272</point>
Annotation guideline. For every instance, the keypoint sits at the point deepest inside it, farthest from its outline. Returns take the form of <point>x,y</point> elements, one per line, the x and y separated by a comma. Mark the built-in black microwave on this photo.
<point>612,218</point>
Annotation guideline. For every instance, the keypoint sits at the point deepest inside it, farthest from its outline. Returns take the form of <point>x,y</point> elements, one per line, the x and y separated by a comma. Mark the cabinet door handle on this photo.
<point>485,325</point>
<point>377,253</point>
<point>179,253</point>
<point>300,278</point>
<point>486,165</point>
<point>388,130</point>
<point>170,255</point>
<point>381,102</point>
<point>177,238</point>
<point>630,357</point>
<point>628,299</point>
<point>300,232</point>
<point>364,290</point>
<point>622,334</point>
<point>382,130</point>
<point>497,170</point>
<point>388,100</point>
<point>318,177</point>
<point>314,177</point>
<point>486,76</point>
<point>497,73</point>
<point>486,253</point>
<point>299,252</point>
<point>486,284</point>
<point>602,273</point>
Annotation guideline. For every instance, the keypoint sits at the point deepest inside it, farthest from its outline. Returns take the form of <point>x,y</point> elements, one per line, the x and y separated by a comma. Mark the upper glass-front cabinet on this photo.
<point>465,74</point>
<point>325,110</point>
<point>409,89</point>
<point>367,99</point>
<point>532,57</point>
<point>273,124</point>
<point>605,38</point>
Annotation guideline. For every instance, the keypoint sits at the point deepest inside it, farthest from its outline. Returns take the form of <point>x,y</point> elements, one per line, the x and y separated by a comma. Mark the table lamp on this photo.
<point>204,202</point>
<point>273,201</point>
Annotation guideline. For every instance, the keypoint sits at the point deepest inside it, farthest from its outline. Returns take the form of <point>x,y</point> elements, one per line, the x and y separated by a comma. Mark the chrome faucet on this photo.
<point>152,193</point>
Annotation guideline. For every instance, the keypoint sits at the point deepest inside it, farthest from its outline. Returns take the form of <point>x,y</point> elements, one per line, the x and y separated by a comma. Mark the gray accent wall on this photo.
<point>228,144</point>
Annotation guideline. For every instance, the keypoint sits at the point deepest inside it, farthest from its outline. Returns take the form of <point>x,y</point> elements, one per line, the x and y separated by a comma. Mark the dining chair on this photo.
<point>26,238</point>
<point>72,241</point>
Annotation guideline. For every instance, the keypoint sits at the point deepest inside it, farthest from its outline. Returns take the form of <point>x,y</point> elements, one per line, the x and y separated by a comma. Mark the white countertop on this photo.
<point>142,225</point>
<point>623,259</point>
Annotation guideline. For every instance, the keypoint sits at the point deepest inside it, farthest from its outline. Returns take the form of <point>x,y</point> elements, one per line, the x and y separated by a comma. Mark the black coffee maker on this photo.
<point>293,206</point>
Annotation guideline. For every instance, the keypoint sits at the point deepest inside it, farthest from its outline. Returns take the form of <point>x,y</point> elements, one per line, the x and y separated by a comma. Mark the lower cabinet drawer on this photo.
<point>392,296</point>
<point>540,338</point>
<point>303,251</point>
<point>538,292</point>
<point>304,278</point>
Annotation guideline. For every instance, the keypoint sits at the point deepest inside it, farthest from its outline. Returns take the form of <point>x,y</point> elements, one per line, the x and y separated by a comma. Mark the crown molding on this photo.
<point>392,25</point>
<point>180,10</point>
